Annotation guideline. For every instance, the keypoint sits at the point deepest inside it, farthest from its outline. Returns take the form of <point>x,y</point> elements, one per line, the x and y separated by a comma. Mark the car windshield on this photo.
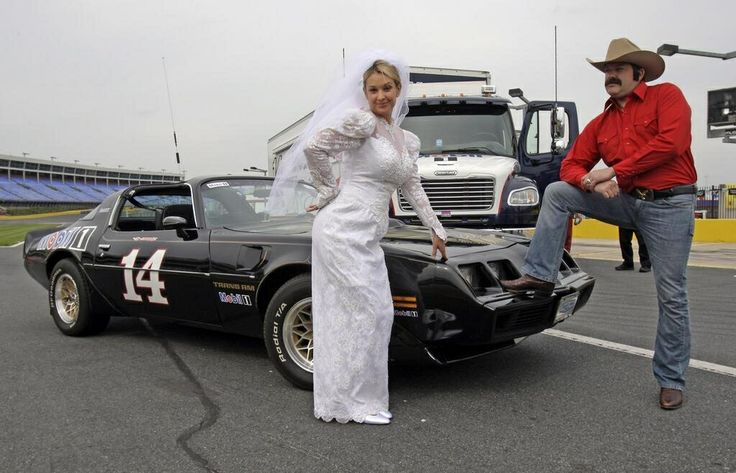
<point>240,202</point>
<point>482,128</point>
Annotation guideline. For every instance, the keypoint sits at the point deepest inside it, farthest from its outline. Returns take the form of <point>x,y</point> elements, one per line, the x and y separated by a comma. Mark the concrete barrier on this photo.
<point>706,231</point>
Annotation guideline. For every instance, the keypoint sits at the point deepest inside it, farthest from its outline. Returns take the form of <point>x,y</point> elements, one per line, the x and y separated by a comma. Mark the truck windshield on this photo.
<point>476,128</point>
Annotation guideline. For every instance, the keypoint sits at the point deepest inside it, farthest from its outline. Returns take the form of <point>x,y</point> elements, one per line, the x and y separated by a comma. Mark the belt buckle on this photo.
<point>644,194</point>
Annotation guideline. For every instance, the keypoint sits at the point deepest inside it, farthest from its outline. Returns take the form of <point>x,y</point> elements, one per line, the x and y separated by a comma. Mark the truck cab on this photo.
<point>475,167</point>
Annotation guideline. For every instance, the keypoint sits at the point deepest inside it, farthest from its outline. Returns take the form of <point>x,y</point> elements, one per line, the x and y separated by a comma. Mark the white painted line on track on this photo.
<point>12,246</point>
<point>701,365</point>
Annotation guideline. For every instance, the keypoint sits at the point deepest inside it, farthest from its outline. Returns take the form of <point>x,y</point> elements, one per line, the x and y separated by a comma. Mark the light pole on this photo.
<point>672,49</point>
<point>729,136</point>
<point>51,172</point>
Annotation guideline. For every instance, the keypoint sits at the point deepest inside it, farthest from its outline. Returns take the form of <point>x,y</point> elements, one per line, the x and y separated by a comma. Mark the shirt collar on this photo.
<point>640,91</point>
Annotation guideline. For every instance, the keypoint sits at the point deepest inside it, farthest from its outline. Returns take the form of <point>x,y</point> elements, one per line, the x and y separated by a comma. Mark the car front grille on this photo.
<point>524,320</point>
<point>456,194</point>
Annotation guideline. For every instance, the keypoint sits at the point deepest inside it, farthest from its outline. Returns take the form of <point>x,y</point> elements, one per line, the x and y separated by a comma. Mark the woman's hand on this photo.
<point>312,207</point>
<point>438,244</point>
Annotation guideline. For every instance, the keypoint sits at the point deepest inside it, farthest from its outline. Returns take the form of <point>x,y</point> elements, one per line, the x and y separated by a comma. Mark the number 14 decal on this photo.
<point>152,282</point>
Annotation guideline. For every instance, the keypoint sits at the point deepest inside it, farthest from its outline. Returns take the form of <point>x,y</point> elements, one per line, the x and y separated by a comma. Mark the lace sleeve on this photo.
<point>329,142</point>
<point>414,193</point>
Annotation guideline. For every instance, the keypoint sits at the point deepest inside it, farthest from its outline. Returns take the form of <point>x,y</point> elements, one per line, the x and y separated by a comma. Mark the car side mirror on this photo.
<point>174,222</point>
<point>180,224</point>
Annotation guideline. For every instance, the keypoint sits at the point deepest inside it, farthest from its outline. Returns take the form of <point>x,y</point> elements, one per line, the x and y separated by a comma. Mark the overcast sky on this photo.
<point>83,79</point>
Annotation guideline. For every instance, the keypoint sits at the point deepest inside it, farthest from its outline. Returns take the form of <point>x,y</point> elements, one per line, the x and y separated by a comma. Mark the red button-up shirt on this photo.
<point>647,142</point>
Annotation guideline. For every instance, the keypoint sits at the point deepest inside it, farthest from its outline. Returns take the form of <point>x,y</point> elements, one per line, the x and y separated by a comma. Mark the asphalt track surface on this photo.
<point>166,398</point>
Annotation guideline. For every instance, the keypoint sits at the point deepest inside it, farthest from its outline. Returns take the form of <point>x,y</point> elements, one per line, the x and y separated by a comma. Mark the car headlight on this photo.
<point>524,196</point>
<point>476,277</point>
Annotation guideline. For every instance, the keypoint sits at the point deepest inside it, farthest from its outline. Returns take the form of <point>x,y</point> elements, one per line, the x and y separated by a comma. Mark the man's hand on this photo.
<point>593,178</point>
<point>609,189</point>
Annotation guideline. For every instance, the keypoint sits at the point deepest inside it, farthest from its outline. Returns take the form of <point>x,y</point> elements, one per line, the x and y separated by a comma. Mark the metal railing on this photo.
<point>716,202</point>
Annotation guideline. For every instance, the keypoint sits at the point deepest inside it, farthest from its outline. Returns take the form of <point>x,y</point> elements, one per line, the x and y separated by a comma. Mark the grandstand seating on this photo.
<point>26,190</point>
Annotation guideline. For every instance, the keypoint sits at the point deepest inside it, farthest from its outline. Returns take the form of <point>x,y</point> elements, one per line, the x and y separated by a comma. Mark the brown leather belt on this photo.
<point>642,193</point>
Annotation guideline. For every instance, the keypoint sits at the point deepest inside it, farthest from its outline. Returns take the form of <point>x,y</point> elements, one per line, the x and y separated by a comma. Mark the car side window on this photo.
<point>146,211</point>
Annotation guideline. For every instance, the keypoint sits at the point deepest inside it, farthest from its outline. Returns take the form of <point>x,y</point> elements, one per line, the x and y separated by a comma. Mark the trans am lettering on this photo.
<point>73,238</point>
<point>233,298</point>
<point>234,285</point>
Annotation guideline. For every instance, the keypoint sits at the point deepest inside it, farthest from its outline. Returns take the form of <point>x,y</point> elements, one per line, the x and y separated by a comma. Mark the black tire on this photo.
<point>287,331</point>
<point>71,301</point>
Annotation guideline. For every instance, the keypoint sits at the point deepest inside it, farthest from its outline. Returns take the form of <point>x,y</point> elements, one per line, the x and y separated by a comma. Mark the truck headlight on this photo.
<point>524,196</point>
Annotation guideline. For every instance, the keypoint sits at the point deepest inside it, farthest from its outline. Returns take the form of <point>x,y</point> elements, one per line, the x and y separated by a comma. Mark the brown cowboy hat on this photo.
<point>623,50</point>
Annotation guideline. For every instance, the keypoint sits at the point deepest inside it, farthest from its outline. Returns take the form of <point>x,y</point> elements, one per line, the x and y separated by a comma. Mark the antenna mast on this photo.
<point>171,113</point>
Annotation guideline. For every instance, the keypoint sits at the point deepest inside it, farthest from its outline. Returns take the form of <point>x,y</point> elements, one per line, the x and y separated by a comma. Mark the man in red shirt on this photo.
<point>643,136</point>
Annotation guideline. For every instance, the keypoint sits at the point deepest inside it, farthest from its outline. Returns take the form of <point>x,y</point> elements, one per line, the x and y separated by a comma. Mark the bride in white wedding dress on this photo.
<point>352,308</point>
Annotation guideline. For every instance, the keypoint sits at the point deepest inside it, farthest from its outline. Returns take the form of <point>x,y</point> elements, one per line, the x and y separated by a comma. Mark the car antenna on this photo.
<point>171,113</point>
<point>554,129</point>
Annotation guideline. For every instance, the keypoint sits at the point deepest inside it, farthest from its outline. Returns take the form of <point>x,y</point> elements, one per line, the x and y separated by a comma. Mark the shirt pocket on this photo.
<point>646,125</point>
<point>608,144</point>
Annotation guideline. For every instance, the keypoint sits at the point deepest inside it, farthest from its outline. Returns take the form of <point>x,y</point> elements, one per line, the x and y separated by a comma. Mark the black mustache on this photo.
<point>613,80</point>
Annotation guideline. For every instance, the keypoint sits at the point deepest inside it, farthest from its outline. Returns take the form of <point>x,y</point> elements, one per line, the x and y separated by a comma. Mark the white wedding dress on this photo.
<point>352,308</point>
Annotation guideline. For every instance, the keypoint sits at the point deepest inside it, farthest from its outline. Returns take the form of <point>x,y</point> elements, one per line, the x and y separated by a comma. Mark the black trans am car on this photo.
<point>204,252</point>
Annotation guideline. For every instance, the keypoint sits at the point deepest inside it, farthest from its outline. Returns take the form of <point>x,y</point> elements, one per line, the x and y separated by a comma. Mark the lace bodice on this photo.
<point>376,158</point>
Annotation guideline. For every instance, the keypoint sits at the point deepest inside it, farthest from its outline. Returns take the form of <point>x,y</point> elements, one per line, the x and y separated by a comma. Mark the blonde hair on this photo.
<point>382,67</point>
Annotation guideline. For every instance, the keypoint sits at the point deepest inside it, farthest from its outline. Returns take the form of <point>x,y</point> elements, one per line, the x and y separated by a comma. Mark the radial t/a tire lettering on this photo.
<point>287,331</point>
<point>70,301</point>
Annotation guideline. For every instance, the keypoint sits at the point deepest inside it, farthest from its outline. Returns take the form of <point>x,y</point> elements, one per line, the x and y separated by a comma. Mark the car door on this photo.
<point>547,134</point>
<point>147,270</point>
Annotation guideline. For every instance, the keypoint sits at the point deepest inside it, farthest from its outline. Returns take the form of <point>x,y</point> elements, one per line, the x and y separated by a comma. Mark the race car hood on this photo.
<point>401,236</point>
<point>459,241</point>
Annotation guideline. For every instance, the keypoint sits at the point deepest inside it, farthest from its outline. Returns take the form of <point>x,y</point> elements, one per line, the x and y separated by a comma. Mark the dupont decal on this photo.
<point>73,238</point>
<point>405,302</point>
<point>235,286</point>
<point>212,185</point>
<point>405,306</point>
<point>234,298</point>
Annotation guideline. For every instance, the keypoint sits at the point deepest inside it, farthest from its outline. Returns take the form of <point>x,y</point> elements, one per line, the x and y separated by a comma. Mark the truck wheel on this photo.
<point>70,298</point>
<point>287,331</point>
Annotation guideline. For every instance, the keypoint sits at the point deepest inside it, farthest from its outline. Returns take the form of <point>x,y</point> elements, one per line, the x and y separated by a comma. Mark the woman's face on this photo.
<point>381,93</point>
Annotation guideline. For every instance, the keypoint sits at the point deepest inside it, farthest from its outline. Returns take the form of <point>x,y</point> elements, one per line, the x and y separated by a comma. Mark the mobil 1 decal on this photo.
<point>73,238</point>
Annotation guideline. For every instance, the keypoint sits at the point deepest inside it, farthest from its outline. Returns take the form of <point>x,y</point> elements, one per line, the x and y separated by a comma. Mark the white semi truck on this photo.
<point>475,167</point>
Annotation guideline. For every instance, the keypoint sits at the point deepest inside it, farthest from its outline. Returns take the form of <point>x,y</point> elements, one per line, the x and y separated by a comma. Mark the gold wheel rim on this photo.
<point>66,299</point>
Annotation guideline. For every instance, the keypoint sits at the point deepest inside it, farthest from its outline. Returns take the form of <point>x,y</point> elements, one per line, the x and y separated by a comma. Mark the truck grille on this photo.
<point>456,194</point>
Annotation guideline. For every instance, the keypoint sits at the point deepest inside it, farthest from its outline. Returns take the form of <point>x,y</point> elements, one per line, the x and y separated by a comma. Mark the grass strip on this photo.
<point>12,233</point>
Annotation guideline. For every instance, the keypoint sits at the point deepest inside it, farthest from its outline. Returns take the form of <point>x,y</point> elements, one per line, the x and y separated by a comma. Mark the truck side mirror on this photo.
<point>557,126</point>
<point>518,94</point>
<point>558,123</point>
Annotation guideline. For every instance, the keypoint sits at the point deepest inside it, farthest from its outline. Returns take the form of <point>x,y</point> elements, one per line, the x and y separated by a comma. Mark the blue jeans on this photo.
<point>667,227</point>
